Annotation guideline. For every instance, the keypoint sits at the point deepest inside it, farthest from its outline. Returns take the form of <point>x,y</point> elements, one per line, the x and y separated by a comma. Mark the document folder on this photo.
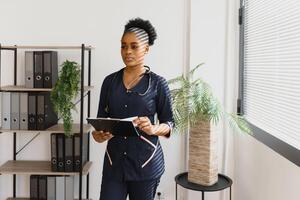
<point>117,127</point>
<point>6,102</point>
<point>40,112</point>
<point>76,152</point>
<point>50,69</point>
<point>31,111</point>
<point>15,111</point>
<point>51,188</point>
<point>53,152</point>
<point>38,70</point>
<point>29,69</point>
<point>50,116</point>
<point>69,154</point>
<point>43,187</point>
<point>60,188</point>
<point>24,111</point>
<point>69,187</point>
<point>34,187</point>
<point>60,142</point>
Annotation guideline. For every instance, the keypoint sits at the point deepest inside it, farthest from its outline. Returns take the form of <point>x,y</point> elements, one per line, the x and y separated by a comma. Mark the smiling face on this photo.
<point>133,50</point>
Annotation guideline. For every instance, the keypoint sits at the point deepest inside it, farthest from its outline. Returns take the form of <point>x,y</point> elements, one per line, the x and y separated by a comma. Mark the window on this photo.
<point>270,73</point>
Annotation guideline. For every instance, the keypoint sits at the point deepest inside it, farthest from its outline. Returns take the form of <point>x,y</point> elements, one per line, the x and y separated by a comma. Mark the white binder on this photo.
<point>5,117</point>
<point>69,186</point>
<point>60,188</point>
<point>29,69</point>
<point>23,111</point>
<point>51,188</point>
<point>15,111</point>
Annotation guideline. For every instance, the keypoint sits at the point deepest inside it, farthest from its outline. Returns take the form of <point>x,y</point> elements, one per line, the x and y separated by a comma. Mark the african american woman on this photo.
<point>134,165</point>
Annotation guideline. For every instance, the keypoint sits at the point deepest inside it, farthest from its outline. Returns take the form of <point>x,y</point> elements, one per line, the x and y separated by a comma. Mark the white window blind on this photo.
<point>271,95</point>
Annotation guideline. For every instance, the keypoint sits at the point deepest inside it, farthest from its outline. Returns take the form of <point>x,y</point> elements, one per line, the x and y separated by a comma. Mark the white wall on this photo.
<point>100,24</point>
<point>262,174</point>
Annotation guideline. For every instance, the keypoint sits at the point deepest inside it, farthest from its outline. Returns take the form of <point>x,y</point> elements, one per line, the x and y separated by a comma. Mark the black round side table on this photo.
<point>223,183</point>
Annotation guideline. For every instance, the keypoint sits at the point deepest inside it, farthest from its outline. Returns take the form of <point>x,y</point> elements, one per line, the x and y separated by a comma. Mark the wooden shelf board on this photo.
<point>29,199</point>
<point>87,47</point>
<point>22,88</point>
<point>58,128</point>
<point>36,167</point>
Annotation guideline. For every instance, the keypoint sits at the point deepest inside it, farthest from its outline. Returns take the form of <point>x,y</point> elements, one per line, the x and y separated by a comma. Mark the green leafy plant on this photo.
<point>64,92</point>
<point>193,101</point>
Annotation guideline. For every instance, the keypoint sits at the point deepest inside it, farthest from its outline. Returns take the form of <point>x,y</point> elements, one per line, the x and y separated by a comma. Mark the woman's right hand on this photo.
<point>100,136</point>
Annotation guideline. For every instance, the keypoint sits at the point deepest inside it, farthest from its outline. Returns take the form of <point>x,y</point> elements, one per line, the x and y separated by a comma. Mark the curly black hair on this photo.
<point>144,25</point>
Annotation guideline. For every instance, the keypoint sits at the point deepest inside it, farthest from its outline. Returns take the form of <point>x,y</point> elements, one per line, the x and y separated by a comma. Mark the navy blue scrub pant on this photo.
<point>137,190</point>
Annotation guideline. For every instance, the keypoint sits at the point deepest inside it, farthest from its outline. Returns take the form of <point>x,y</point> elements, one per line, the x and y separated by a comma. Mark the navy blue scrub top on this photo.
<point>135,158</point>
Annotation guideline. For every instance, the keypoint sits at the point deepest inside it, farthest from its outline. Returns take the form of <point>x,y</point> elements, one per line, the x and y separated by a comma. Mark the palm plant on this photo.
<point>195,107</point>
<point>193,101</point>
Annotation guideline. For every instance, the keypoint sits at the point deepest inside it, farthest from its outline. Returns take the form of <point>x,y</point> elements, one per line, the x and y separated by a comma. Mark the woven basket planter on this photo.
<point>203,161</point>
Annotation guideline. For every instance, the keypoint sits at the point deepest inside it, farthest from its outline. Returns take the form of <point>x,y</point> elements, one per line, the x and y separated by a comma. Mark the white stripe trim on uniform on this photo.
<point>148,141</point>
<point>147,161</point>
<point>110,162</point>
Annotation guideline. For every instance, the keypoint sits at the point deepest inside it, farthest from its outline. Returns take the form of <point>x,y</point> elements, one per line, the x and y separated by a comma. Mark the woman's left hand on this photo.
<point>144,124</point>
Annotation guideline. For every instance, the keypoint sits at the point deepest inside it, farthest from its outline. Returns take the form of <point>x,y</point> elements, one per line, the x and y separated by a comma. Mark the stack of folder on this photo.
<point>32,110</point>
<point>27,111</point>
<point>51,187</point>
<point>41,69</point>
<point>65,152</point>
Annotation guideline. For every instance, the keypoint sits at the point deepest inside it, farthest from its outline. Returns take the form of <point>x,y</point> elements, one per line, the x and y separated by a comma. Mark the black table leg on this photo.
<point>224,182</point>
<point>176,190</point>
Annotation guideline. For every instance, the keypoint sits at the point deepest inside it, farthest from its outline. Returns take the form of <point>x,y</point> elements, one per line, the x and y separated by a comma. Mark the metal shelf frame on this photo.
<point>83,48</point>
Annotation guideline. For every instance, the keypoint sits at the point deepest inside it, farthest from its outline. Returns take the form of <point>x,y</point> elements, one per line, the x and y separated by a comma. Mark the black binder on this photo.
<point>60,137</point>
<point>31,111</point>
<point>40,111</point>
<point>76,152</point>
<point>38,69</point>
<point>69,154</point>
<point>85,147</point>
<point>50,116</point>
<point>34,187</point>
<point>117,127</point>
<point>47,116</point>
<point>85,140</point>
<point>42,187</point>
<point>50,68</point>
<point>53,152</point>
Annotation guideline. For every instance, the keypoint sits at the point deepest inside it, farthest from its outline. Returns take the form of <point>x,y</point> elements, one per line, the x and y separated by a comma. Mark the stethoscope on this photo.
<point>147,72</point>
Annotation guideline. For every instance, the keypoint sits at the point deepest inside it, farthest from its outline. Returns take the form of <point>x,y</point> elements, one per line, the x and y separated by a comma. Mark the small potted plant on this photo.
<point>64,92</point>
<point>195,107</point>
